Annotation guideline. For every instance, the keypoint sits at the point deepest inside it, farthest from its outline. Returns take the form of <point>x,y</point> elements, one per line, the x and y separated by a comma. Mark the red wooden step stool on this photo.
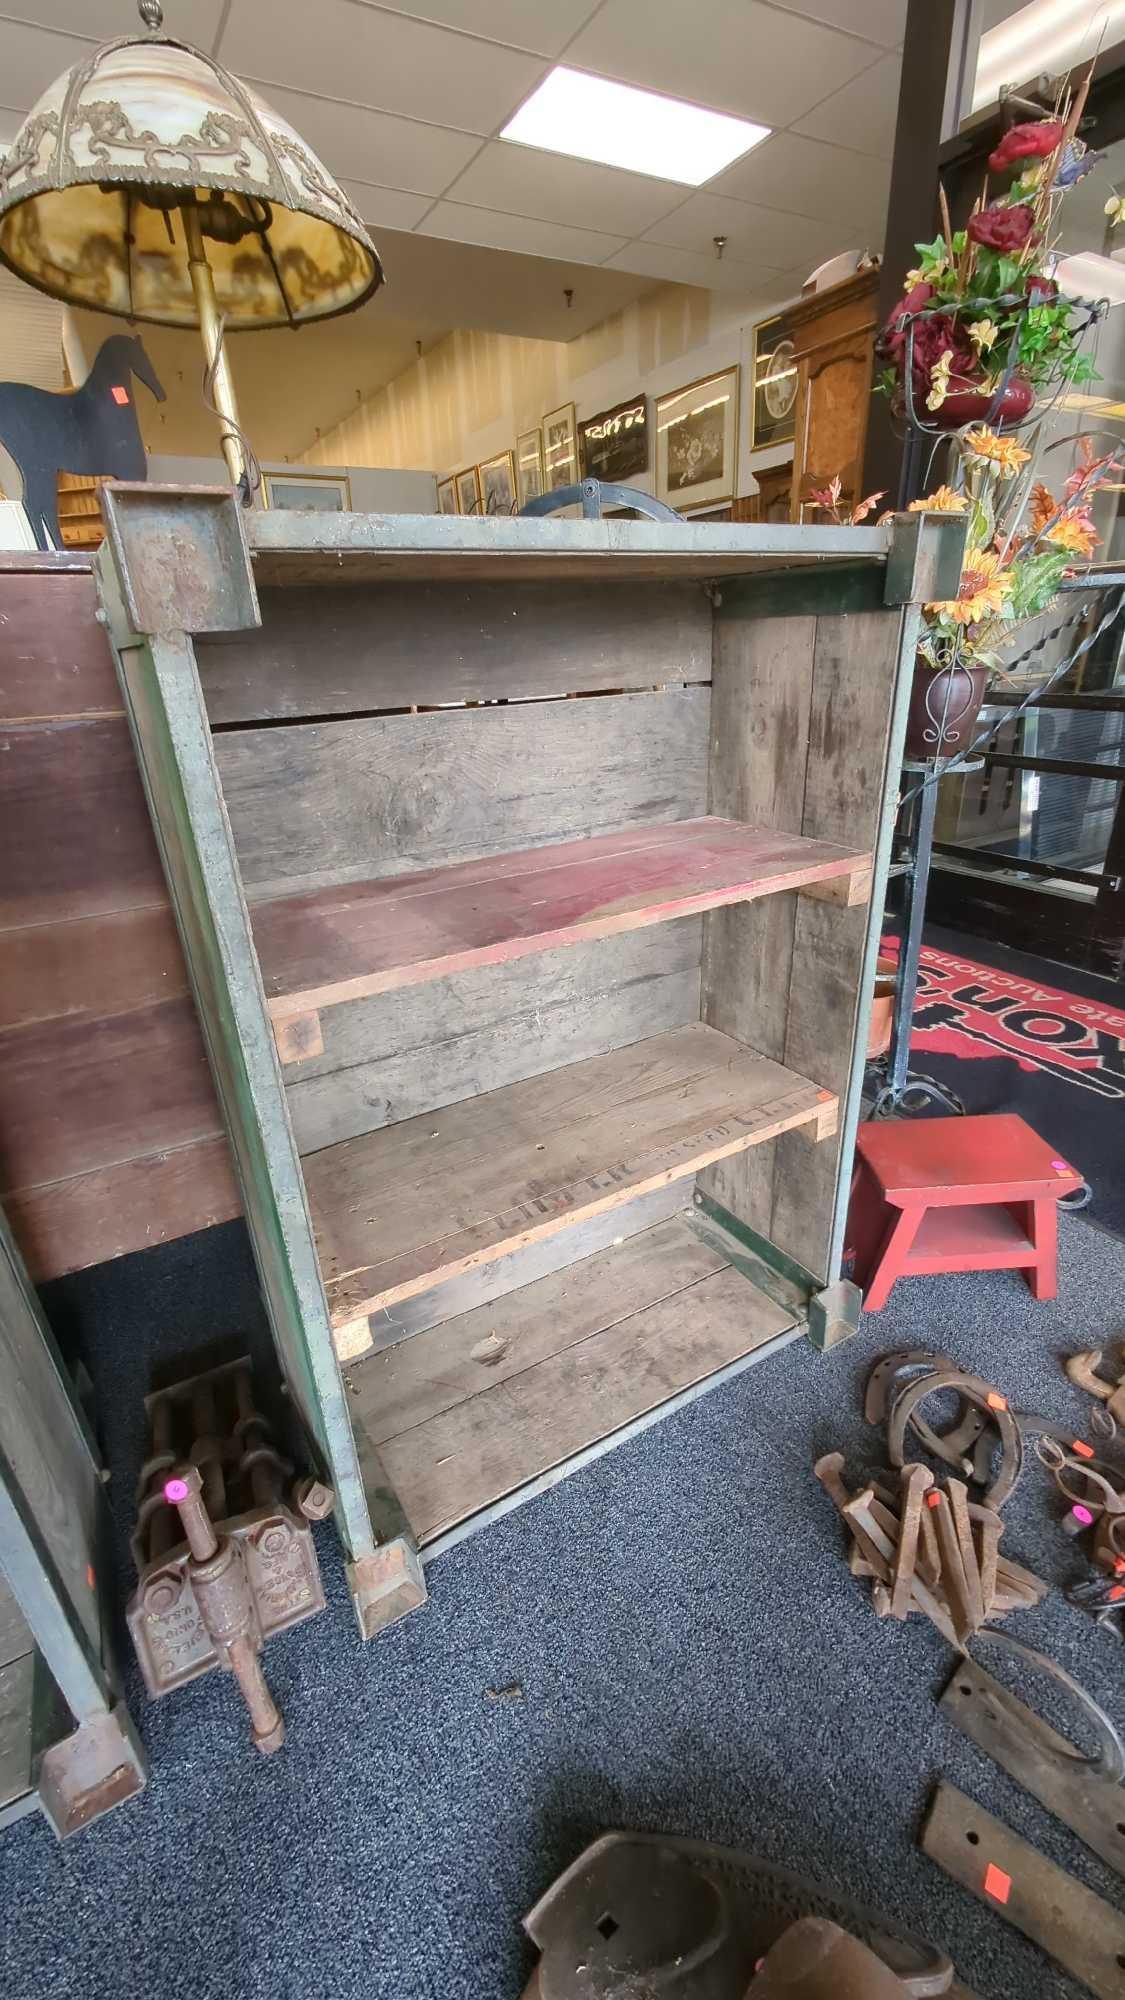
<point>955,1194</point>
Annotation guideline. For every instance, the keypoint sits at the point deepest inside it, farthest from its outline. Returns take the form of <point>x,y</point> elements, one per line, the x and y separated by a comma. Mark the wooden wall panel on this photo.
<point>410,1051</point>
<point>340,801</point>
<point>110,1135</point>
<point>762,692</point>
<point>384,646</point>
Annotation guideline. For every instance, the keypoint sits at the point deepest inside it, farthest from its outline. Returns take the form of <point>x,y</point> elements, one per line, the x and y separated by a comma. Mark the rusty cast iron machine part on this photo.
<point>224,1560</point>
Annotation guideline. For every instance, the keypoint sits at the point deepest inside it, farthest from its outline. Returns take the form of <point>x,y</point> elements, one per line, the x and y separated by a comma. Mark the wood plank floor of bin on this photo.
<point>477,1409</point>
<point>404,1208</point>
<point>355,939</point>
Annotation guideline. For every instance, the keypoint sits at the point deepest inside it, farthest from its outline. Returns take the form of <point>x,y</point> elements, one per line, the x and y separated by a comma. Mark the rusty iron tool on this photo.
<point>1057,1912</point>
<point>984,1397</point>
<point>916,1482</point>
<point>1069,1471</point>
<point>887,1380</point>
<point>959,1509</point>
<point>858,1511</point>
<point>1012,1576</point>
<point>829,1470</point>
<point>816,1960</point>
<point>1082,1792</point>
<point>955,1588</point>
<point>1082,1369</point>
<point>987,1528</point>
<point>209,1424</point>
<point>226,1604</point>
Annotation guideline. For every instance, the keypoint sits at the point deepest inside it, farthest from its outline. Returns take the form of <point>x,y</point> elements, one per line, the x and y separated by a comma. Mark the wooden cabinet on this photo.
<point>529,877</point>
<point>834,335</point>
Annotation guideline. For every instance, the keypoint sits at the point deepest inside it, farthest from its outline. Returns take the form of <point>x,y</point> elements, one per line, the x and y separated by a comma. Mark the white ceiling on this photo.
<point>403,99</point>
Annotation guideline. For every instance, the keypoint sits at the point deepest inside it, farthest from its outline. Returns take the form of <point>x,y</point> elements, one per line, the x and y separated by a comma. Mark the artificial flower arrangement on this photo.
<point>1021,541</point>
<point>982,329</point>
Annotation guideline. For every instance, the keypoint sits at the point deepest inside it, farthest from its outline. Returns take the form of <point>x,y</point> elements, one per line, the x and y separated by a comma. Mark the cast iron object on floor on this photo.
<point>1057,1912</point>
<point>247,1567</point>
<point>816,1960</point>
<point>1085,1793</point>
<point>641,1911</point>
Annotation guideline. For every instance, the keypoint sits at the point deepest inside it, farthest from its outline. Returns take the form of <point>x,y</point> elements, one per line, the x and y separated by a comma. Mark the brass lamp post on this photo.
<point>150,183</point>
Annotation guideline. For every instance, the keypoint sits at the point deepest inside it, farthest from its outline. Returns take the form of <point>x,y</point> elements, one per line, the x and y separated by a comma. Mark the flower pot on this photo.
<point>882,1008</point>
<point>965,407</point>
<point>944,705</point>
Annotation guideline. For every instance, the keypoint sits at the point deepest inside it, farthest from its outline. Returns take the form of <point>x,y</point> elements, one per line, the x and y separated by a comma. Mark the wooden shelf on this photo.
<point>322,948</point>
<point>478,1408</point>
<point>400,1210</point>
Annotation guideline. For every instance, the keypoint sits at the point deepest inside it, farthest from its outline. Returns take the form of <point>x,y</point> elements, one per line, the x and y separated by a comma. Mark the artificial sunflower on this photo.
<point>943,501</point>
<point>983,590</point>
<point>1003,452</point>
<point>1073,532</point>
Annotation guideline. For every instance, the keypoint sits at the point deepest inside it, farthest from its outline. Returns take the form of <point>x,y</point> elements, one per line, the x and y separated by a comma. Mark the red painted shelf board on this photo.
<point>343,943</point>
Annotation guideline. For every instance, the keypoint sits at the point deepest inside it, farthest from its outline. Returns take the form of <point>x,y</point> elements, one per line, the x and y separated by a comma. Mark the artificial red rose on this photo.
<point>1041,291</point>
<point>1026,142</point>
<point>893,337</point>
<point>1000,228</point>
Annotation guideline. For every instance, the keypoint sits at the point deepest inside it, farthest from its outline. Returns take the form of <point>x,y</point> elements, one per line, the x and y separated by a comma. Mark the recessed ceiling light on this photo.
<point>1042,38</point>
<point>592,118</point>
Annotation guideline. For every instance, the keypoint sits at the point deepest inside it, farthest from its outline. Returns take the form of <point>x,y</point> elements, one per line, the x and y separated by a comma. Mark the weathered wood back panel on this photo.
<point>317,803</point>
<point>364,647</point>
<point>802,715</point>
<point>110,1135</point>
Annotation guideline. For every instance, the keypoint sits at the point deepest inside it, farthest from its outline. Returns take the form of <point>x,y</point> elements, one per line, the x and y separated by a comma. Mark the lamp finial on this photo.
<point>152,14</point>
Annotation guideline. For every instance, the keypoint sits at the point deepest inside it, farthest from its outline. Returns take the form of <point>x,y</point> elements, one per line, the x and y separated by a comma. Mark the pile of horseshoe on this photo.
<point>930,1544</point>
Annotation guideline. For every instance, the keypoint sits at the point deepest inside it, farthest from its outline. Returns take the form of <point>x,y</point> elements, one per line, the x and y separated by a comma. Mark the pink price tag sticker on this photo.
<point>996,1883</point>
<point>176,1490</point>
<point>1061,1167</point>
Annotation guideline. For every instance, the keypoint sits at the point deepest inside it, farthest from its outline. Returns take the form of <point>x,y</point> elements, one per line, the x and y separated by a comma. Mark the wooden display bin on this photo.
<point>528,875</point>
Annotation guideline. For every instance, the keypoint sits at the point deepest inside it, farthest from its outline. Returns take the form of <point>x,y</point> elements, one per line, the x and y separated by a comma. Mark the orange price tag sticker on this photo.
<point>90,1577</point>
<point>933,1499</point>
<point>996,1883</point>
<point>1081,1449</point>
<point>995,1400</point>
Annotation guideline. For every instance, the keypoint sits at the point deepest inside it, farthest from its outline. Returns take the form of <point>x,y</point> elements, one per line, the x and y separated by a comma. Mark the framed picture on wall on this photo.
<point>529,465</point>
<point>560,449</point>
<point>498,484</point>
<point>697,442</point>
<point>615,443</point>
<point>323,492</point>
<point>468,491</point>
<point>447,496</point>
<point>773,406</point>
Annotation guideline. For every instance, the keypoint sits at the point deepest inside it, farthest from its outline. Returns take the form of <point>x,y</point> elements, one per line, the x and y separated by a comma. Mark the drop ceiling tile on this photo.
<point>383,60</point>
<point>103,20</point>
<point>460,224</point>
<point>386,208</point>
<point>688,267</point>
<point>374,147</point>
<point>754,235</point>
<point>31,60</point>
<point>520,180</point>
<point>748,59</point>
<point>542,26</point>
<point>881,21</point>
<point>803,177</point>
<point>862,115</point>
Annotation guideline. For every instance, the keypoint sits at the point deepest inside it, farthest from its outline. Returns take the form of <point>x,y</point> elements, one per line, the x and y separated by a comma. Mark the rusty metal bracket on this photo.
<point>87,1773</point>
<point>1057,1912</point>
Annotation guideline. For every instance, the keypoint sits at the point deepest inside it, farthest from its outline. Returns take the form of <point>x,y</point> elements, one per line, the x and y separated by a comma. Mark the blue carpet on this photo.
<point>692,1655</point>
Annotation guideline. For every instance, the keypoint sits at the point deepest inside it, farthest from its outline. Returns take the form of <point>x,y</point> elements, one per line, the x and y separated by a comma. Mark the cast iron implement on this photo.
<point>223,1560</point>
<point>641,1914</point>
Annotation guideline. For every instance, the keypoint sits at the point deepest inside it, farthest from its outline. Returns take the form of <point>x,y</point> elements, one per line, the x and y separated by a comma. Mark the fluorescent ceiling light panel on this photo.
<point>1088,275</point>
<point>593,118</point>
<point>1045,37</point>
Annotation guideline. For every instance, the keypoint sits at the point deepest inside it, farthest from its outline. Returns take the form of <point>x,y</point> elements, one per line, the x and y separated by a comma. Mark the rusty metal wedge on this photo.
<point>1082,1369</point>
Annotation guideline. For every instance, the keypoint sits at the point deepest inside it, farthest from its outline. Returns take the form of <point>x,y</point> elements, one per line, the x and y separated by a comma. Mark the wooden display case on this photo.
<point>527,874</point>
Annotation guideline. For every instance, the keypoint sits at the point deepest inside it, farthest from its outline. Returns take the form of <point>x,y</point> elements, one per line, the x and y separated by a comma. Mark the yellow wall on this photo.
<point>473,393</point>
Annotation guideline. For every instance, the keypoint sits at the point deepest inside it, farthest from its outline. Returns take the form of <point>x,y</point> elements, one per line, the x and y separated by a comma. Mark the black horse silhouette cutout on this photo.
<point>93,430</point>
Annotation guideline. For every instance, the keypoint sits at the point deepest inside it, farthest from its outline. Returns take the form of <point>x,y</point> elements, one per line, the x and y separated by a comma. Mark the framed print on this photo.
<point>468,491</point>
<point>560,449</point>
<point>498,484</point>
<point>325,493</point>
<point>447,496</point>
<point>615,443</point>
<point>529,465</point>
<point>773,407</point>
<point>697,442</point>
